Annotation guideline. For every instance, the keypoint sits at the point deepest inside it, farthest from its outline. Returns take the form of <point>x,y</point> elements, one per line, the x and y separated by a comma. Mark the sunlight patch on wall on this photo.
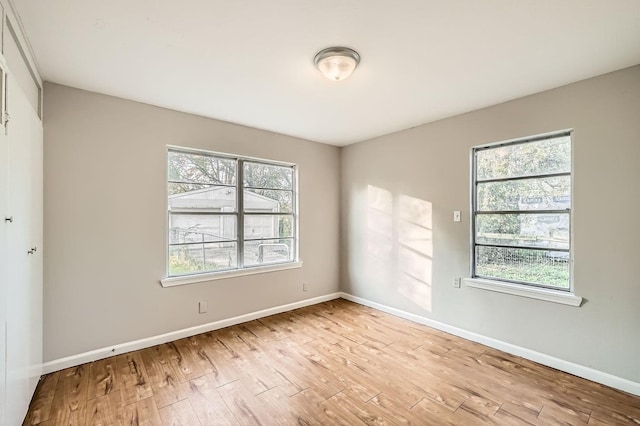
<point>400,244</point>
<point>415,250</point>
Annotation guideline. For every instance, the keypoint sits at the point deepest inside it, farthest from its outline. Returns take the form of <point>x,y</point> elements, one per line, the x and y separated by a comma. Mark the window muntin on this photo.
<point>522,211</point>
<point>211,229</point>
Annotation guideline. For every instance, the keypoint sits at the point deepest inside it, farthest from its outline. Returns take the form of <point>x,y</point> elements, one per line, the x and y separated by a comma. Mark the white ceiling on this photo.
<point>251,61</point>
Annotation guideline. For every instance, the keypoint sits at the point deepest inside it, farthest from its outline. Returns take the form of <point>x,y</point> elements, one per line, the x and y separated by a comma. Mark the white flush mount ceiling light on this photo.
<point>337,63</point>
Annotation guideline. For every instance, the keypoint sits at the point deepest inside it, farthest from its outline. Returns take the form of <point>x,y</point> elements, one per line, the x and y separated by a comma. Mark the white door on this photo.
<point>4,224</point>
<point>24,284</point>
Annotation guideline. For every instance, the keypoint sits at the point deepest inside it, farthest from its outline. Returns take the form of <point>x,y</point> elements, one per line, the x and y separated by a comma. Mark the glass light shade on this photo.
<point>337,67</point>
<point>337,63</point>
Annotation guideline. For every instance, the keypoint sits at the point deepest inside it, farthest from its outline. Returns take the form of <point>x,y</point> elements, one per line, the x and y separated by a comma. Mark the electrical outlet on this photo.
<point>456,282</point>
<point>203,306</point>
<point>456,216</point>
<point>305,286</point>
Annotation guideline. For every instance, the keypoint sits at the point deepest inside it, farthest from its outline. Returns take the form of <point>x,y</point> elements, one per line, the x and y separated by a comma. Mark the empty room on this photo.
<point>319,213</point>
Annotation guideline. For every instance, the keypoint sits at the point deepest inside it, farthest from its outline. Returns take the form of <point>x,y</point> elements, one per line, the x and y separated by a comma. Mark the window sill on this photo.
<point>548,295</point>
<point>212,276</point>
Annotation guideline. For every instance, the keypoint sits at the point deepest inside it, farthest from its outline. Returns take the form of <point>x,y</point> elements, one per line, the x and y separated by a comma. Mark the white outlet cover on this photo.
<point>456,216</point>
<point>202,307</point>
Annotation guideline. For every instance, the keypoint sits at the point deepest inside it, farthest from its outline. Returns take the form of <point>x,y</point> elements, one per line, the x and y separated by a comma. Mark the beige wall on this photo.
<point>430,164</point>
<point>105,222</point>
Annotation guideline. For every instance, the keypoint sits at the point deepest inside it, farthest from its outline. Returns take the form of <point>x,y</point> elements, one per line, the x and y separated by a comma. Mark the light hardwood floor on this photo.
<point>332,363</point>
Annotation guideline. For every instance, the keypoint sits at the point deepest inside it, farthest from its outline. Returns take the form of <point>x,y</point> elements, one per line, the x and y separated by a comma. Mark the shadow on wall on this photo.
<point>400,244</point>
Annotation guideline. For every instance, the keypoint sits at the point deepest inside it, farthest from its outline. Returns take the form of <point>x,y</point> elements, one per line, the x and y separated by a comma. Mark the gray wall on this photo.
<point>431,164</point>
<point>105,222</point>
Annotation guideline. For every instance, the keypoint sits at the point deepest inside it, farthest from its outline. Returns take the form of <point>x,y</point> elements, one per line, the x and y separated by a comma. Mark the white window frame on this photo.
<point>524,289</point>
<point>241,269</point>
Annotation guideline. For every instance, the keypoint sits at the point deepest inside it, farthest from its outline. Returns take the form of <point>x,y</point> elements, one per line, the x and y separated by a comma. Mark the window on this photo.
<point>212,228</point>
<point>521,224</point>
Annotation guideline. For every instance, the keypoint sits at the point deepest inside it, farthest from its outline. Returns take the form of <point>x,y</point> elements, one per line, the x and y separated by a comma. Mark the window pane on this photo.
<point>267,226</point>
<point>268,251</point>
<point>525,159</point>
<point>531,230</point>
<point>268,200</point>
<point>202,197</point>
<point>529,194</point>
<point>198,168</point>
<point>267,176</point>
<point>204,221</point>
<point>208,257</point>
<point>196,228</point>
<point>530,266</point>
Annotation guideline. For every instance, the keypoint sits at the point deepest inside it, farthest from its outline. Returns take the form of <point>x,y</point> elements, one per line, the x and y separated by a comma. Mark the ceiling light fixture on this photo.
<point>337,63</point>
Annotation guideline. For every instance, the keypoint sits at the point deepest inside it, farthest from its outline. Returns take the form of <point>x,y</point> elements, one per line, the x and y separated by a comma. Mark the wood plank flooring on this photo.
<point>333,363</point>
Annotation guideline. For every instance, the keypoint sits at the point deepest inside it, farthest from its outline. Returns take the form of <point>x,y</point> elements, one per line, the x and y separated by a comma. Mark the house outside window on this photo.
<point>521,212</point>
<point>212,229</point>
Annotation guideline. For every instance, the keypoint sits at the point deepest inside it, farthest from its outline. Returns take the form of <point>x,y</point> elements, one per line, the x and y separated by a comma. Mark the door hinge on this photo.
<point>5,119</point>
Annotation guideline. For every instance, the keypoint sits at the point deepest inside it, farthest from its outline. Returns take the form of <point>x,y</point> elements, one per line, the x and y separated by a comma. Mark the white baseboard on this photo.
<point>74,360</point>
<point>550,361</point>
